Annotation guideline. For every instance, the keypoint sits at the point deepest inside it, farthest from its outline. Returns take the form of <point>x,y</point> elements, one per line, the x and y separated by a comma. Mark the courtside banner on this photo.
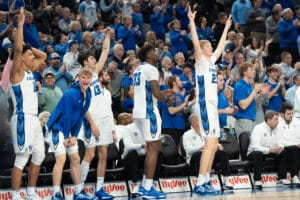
<point>214,181</point>
<point>180,184</point>
<point>89,188</point>
<point>131,185</point>
<point>117,189</point>
<point>269,179</point>
<point>45,193</point>
<point>239,181</point>
<point>6,194</point>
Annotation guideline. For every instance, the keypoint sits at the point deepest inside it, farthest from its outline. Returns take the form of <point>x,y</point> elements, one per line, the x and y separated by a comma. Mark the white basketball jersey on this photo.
<point>24,95</point>
<point>206,80</point>
<point>101,100</point>
<point>90,12</point>
<point>145,104</point>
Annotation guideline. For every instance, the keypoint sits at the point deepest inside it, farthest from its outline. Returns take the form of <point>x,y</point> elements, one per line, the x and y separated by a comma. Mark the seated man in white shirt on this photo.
<point>133,156</point>
<point>193,144</point>
<point>267,142</point>
<point>290,127</point>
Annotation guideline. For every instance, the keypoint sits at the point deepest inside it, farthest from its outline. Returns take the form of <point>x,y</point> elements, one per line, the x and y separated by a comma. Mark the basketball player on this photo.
<point>146,115</point>
<point>207,101</point>
<point>63,126</point>
<point>25,126</point>
<point>98,130</point>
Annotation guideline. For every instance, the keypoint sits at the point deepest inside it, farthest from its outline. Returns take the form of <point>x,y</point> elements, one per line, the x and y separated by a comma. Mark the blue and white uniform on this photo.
<point>89,11</point>
<point>101,112</point>
<point>145,111</point>
<point>26,130</point>
<point>207,96</point>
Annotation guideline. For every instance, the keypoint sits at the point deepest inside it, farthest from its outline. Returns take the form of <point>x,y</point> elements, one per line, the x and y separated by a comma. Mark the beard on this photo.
<point>105,83</point>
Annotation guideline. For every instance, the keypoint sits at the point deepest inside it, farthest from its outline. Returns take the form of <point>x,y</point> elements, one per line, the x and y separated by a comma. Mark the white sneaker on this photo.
<point>296,180</point>
<point>257,184</point>
<point>34,196</point>
<point>283,182</point>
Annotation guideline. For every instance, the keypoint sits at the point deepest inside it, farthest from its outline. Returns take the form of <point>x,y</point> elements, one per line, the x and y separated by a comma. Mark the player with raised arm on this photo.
<point>207,101</point>
<point>97,130</point>
<point>25,126</point>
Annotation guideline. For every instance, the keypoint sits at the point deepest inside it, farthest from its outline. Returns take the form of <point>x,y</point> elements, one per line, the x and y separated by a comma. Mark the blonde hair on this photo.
<point>85,35</point>
<point>72,24</point>
<point>85,71</point>
<point>202,43</point>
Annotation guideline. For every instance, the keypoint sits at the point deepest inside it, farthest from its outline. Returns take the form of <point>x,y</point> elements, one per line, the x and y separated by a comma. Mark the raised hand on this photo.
<point>21,17</point>
<point>228,22</point>
<point>191,14</point>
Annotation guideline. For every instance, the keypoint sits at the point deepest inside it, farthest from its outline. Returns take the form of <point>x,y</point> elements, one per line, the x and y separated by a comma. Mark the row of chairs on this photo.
<point>173,164</point>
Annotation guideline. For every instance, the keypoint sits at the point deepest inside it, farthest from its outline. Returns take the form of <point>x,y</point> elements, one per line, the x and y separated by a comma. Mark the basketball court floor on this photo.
<point>276,193</point>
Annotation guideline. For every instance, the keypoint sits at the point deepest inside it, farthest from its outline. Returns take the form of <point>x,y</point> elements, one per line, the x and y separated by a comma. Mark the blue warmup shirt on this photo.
<point>70,111</point>
<point>222,104</point>
<point>241,91</point>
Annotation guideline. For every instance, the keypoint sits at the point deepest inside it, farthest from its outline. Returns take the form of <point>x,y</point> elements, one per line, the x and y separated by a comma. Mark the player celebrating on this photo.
<point>207,101</point>
<point>25,126</point>
<point>146,114</point>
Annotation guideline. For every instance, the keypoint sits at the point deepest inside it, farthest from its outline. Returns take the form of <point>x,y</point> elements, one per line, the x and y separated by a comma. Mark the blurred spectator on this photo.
<point>115,83</point>
<point>75,32</point>
<point>187,77</point>
<point>4,31</point>
<point>173,119</point>
<point>220,24</point>
<point>49,94</point>
<point>256,21</point>
<point>181,13</point>
<point>8,42</point>
<point>244,99</point>
<point>150,38</point>
<point>128,99</point>
<point>291,92</point>
<point>254,51</point>
<point>239,12</point>
<point>31,35</point>
<point>115,21</point>
<point>62,45</point>
<point>286,67</point>
<point>64,21</point>
<point>88,13</point>
<point>137,17</point>
<point>166,64</point>
<point>272,23</point>
<point>277,89</point>
<point>108,8</point>
<point>157,22</point>
<point>87,43</point>
<point>288,33</point>
<point>128,34</point>
<point>179,63</point>
<point>204,32</point>
<point>63,78</point>
<point>71,58</point>
<point>224,108</point>
<point>179,38</point>
<point>42,16</point>
<point>118,52</point>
